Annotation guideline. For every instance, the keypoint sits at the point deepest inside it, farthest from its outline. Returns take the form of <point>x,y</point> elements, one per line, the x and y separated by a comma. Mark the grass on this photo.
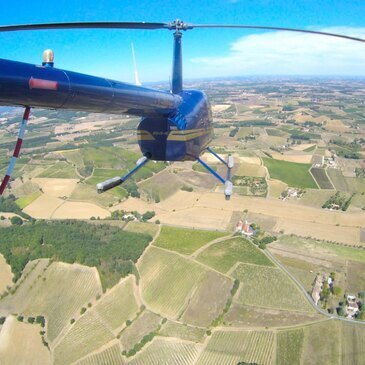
<point>223,255</point>
<point>87,193</point>
<point>321,178</point>
<point>289,346</point>
<point>292,173</point>
<point>24,201</point>
<point>275,132</point>
<point>232,347</point>
<point>268,287</point>
<point>249,169</point>
<point>353,344</point>
<point>185,241</point>
<point>167,280</point>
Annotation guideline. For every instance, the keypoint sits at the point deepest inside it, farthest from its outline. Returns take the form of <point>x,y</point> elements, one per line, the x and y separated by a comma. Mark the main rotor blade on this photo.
<point>277,28</point>
<point>85,25</point>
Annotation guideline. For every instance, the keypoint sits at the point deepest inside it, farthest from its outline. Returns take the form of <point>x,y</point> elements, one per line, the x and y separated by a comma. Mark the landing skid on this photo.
<point>116,181</point>
<point>228,186</point>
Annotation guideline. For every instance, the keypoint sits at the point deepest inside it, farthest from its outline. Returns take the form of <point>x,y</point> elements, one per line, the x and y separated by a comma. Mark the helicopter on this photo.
<point>176,125</point>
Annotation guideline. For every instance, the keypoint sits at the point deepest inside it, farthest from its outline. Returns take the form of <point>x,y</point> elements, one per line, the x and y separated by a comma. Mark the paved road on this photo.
<point>309,298</point>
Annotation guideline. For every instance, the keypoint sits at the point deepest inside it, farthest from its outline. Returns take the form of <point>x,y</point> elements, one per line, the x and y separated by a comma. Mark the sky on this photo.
<point>206,53</point>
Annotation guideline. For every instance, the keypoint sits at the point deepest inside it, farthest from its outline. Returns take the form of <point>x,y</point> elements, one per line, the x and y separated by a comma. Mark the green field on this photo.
<point>289,346</point>
<point>185,241</point>
<point>268,287</point>
<point>223,255</point>
<point>321,177</point>
<point>275,132</point>
<point>88,193</point>
<point>231,347</point>
<point>310,148</point>
<point>24,201</point>
<point>61,170</point>
<point>293,174</point>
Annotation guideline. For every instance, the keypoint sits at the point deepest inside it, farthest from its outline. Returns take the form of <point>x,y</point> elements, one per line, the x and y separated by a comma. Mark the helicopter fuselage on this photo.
<point>180,136</point>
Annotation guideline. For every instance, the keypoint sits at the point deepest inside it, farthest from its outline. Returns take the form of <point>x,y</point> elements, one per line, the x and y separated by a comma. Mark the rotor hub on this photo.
<point>178,25</point>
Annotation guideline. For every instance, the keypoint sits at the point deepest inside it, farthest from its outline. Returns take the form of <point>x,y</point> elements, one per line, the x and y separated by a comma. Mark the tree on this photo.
<point>336,290</point>
<point>16,221</point>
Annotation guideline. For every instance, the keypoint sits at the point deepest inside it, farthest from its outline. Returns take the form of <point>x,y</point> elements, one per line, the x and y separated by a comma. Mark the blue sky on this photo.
<point>207,53</point>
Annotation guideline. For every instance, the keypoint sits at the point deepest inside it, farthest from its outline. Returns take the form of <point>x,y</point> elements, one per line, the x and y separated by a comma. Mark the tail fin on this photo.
<point>136,77</point>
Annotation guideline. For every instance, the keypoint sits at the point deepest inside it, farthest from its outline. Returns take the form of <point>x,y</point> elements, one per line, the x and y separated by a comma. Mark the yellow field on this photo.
<point>252,160</point>
<point>249,169</point>
<point>300,158</point>
<point>56,187</point>
<point>21,344</point>
<point>43,207</point>
<point>5,274</point>
<point>302,147</point>
<point>79,210</point>
<point>276,187</point>
<point>336,126</point>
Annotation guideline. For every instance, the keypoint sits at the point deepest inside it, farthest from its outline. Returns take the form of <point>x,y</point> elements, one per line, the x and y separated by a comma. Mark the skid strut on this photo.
<point>228,186</point>
<point>16,152</point>
<point>115,181</point>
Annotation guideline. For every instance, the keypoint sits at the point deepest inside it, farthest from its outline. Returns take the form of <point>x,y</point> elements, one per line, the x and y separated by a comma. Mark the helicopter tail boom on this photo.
<point>23,84</point>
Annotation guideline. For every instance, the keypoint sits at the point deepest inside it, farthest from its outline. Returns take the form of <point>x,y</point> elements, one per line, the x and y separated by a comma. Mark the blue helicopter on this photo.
<point>176,125</point>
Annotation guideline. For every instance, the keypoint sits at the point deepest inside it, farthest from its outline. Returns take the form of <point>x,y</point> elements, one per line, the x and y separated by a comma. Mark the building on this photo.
<point>352,308</point>
<point>245,228</point>
<point>317,288</point>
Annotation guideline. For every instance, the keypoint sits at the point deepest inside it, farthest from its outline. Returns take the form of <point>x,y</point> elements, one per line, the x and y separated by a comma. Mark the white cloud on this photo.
<point>286,53</point>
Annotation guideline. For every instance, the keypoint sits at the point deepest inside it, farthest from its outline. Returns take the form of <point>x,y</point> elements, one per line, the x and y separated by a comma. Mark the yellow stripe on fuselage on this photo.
<point>178,135</point>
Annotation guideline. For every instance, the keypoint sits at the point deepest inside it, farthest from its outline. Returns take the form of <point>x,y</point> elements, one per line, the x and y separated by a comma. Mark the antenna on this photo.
<point>136,77</point>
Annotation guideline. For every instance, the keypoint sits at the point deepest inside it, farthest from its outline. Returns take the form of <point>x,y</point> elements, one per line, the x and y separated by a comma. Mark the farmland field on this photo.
<point>166,351</point>
<point>337,179</point>
<point>24,201</point>
<point>353,344</point>
<point>108,356</point>
<point>185,241</point>
<point>321,178</point>
<point>146,323</point>
<point>321,343</point>
<point>206,305</point>
<point>168,280</point>
<point>249,169</point>
<point>289,346</point>
<point>87,193</point>
<point>5,274</point>
<point>223,255</point>
<point>272,288</point>
<point>182,331</point>
<point>141,227</point>
<point>61,170</point>
<point>231,347</point>
<point>118,305</point>
<point>86,335</point>
<point>44,295</point>
<point>20,343</point>
<point>293,174</point>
